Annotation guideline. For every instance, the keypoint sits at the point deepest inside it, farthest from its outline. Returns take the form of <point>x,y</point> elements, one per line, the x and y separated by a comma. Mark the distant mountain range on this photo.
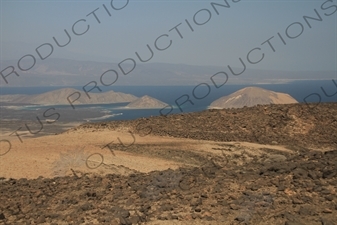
<point>251,96</point>
<point>65,72</point>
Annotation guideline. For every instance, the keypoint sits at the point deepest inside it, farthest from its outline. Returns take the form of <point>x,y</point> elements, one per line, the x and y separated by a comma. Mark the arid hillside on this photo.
<point>262,165</point>
<point>297,125</point>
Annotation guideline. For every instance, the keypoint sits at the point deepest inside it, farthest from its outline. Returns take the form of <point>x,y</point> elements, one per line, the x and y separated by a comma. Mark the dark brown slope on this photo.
<point>308,126</point>
<point>300,190</point>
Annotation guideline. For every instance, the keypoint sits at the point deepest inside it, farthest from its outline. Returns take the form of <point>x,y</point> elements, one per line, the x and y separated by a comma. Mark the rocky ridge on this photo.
<point>296,125</point>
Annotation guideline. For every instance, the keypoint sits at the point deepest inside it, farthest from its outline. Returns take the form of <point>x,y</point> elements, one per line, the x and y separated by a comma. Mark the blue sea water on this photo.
<point>200,97</point>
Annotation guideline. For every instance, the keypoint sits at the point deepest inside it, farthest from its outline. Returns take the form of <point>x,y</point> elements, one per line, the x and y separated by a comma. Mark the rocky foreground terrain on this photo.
<point>233,185</point>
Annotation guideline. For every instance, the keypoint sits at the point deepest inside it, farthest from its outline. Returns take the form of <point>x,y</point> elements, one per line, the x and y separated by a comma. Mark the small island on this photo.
<point>146,102</point>
<point>251,96</point>
<point>64,95</point>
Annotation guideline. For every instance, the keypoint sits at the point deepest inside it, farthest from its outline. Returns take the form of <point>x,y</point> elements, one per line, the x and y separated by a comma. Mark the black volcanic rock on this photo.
<point>301,125</point>
<point>234,195</point>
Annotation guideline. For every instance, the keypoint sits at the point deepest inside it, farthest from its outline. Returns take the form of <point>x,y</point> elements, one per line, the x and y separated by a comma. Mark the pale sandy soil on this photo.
<point>7,132</point>
<point>67,154</point>
<point>58,155</point>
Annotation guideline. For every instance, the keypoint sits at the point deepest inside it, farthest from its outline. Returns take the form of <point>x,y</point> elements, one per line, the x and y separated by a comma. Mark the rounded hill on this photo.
<point>251,96</point>
<point>146,102</point>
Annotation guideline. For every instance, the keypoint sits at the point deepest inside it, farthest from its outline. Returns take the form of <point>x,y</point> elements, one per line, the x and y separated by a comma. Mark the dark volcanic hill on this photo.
<point>146,102</point>
<point>302,125</point>
<point>251,96</point>
<point>59,97</point>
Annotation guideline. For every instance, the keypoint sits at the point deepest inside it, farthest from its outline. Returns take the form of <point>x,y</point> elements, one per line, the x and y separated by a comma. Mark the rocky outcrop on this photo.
<point>305,125</point>
<point>300,189</point>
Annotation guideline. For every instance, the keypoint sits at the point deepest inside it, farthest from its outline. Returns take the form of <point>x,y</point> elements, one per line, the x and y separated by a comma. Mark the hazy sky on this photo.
<point>25,25</point>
